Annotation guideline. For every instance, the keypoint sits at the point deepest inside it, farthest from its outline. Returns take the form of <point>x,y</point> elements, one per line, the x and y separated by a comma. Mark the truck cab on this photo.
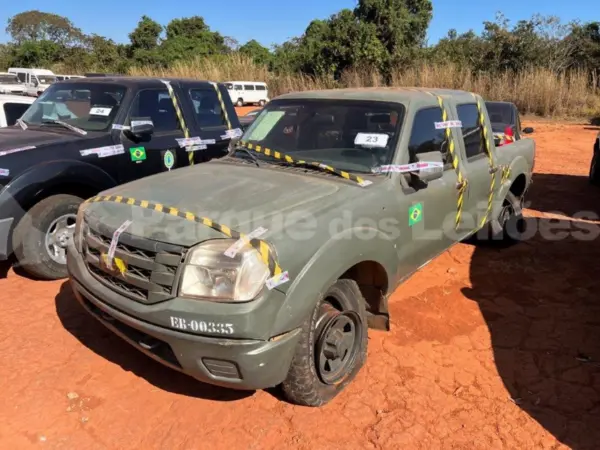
<point>85,135</point>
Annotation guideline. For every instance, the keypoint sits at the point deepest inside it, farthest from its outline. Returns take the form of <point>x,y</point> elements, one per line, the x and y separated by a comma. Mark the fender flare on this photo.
<point>32,185</point>
<point>517,167</point>
<point>325,267</point>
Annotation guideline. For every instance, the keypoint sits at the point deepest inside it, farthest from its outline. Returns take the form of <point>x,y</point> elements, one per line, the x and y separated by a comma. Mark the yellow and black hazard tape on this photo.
<point>222,104</point>
<point>462,180</point>
<point>282,156</point>
<point>260,246</point>
<point>488,151</point>
<point>182,124</point>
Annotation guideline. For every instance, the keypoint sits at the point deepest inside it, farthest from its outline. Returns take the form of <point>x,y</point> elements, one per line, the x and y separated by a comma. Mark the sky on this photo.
<point>275,21</point>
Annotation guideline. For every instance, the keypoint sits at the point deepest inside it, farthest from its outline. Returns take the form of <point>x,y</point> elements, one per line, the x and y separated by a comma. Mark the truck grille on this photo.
<point>149,270</point>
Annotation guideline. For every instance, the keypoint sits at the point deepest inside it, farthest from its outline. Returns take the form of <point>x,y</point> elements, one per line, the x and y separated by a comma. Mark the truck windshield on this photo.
<point>8,79</point>
<point>355,136</point>
<point>89,106</point>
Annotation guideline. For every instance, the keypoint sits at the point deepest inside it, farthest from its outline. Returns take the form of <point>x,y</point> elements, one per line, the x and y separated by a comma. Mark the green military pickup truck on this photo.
<point>266,267</point>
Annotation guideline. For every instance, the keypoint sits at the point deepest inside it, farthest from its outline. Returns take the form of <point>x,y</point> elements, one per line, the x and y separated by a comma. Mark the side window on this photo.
<point>248,87</point>
<point>22,77</point>
<point>207,108</point>
<point>238,87</point>
<point>260,88</point>
<point>472,132</point>
<point>424,137</point>
<point>157,105</point>
<point>14,111</point>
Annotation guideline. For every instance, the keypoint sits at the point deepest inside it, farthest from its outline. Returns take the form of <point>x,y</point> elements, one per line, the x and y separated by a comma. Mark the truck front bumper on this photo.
<point>245,364</point>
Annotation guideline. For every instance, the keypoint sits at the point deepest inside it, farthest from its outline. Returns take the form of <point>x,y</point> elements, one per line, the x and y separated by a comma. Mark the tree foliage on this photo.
<point>379,35</point>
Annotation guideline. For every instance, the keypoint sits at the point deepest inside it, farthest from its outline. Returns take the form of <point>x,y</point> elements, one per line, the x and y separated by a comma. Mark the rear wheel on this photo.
<point>332,347</point>
<point>41,238</point>
<point>262,103</point>
<point>595,170</point>
<point>240,102</point>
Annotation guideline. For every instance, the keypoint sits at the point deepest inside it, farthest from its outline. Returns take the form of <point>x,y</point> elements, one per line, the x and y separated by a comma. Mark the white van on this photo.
<point>12,107</point>
<point>36,80</point>
<point>248,92</point>
<point>67,77</point>
<point>10,84</point>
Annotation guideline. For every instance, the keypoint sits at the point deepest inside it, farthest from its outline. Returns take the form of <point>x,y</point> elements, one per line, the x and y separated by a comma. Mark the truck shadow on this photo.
<point>540,300</point>
<point>103,342</point>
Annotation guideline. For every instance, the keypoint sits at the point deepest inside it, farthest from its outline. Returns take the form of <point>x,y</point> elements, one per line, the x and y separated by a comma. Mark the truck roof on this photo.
<point>390,94</point>
<point>128,80</point>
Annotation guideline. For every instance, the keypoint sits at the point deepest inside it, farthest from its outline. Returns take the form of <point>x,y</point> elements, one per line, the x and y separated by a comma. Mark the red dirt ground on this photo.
<point>489,349</point>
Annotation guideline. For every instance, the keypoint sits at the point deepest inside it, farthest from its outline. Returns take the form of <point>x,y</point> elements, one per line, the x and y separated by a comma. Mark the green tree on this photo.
<point>41,26</point>
<point>190,37</point>
<point>146,35</point>
<point>401,25</point>
<point>259,54</point>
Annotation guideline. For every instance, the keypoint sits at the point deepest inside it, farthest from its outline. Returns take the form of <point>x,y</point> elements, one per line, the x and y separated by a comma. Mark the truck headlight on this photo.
<point>209,274</point>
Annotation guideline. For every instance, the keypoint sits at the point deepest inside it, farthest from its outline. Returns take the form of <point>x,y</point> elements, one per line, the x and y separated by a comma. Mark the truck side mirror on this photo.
<point>528,130</point>
<point>141,128</point>
<point>435,168</point>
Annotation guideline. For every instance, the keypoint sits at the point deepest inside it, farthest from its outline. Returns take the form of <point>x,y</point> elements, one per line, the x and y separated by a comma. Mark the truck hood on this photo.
<point>240,196</point>
<point>14,137</point>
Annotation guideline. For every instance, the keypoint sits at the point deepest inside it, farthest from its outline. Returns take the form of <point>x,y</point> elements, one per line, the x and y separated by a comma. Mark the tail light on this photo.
<point>509,135</point>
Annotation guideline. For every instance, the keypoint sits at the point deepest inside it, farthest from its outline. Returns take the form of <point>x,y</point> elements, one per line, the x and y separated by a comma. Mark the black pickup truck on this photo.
<point>87,135</point>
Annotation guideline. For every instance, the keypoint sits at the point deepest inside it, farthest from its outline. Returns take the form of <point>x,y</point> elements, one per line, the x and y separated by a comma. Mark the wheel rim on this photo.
<point>339,336</point>
<point>59,234</point>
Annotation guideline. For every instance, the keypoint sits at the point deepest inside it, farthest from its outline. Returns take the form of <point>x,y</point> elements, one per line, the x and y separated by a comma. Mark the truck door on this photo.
<point>160,152</point>
<point>211,118</point>
<point>427,213</point>
<point>476,164</point>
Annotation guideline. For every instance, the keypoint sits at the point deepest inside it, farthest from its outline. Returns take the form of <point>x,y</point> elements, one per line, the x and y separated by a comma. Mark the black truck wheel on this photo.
<point>595,170</point>
<point>332,347</point>
<point>240,102</point>
<point>511,220</point>
<point>40,239</point>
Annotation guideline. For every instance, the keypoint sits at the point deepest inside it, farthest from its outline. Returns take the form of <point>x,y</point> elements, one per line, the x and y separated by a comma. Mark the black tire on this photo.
<point>513,224</point>
<point>305,383</point>
<point>262,103</point>
<point>595,169</point>
<point>29,237</point>
<point>239,103</point>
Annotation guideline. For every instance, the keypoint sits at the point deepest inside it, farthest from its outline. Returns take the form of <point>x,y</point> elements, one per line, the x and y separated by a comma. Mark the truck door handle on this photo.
<point>494,169</point>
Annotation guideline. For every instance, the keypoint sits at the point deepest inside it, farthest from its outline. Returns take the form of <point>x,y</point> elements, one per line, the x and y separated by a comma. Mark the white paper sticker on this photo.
<point>99,111</point>
<point>4,172</point>
<point>365,183</point>
<point>186,142</point>
<point>406,168</point>
<point>196,147</point>
<point>22,124</point>
<point>16,150</point>
<point>371,139</point>
<point>137,123</point>
<point>237,246</point>
<point>448,124</point>
<point>232,134</point>
<point>277,280</point>
<point>115,240</point>
<point>103,152</point>
<point>120,127</point>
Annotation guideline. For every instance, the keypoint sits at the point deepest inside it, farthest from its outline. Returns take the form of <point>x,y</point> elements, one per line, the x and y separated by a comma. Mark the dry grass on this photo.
<point>534,91</point>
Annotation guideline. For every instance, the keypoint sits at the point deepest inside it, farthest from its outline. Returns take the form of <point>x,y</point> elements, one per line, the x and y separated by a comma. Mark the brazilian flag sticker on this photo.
<point>137,154</point>
<point>415,214</point>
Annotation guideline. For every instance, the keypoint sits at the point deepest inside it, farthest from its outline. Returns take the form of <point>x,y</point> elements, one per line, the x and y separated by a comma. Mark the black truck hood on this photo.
<point>15,137</point>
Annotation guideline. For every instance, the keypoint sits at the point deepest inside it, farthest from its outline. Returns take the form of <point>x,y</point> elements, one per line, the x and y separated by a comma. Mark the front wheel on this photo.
<point>239,103</point>
<point>512,223</point>
<point>595,170</point>
<point>262,103</point>
<point>332,347</point>
<point>40,239</point>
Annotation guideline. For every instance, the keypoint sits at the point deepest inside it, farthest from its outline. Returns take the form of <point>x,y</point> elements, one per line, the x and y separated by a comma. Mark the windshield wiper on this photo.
<point>66,125</point>
<point>287,159</point>
<point>249,153</point>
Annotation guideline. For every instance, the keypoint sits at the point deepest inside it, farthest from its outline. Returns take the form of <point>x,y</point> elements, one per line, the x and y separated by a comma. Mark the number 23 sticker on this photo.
<point>371,139</point>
